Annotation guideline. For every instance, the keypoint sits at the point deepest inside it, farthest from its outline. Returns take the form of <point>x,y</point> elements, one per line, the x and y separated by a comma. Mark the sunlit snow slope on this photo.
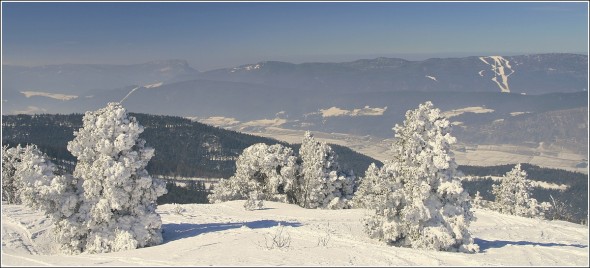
<point>227,235</point>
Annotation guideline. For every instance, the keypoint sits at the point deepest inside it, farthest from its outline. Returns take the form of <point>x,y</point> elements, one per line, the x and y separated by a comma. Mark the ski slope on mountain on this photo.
<point>225,234</point>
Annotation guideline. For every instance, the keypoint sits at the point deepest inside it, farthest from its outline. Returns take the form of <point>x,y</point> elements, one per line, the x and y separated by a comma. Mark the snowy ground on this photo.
<point>227,235</point>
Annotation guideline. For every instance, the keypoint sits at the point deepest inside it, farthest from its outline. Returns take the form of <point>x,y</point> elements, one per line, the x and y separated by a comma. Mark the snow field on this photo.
<point>225,234</point>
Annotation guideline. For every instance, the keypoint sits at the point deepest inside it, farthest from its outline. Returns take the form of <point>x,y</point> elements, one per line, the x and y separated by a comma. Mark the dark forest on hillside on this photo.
<point>190,149</point>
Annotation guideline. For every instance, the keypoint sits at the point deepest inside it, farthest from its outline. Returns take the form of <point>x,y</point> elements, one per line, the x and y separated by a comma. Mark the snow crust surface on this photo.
<point>224,234</point>
<point>56,96</point>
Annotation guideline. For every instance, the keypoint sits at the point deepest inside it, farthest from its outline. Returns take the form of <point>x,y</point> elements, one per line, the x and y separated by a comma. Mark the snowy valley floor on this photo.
<point>474,155</point>
<point>227,235</point>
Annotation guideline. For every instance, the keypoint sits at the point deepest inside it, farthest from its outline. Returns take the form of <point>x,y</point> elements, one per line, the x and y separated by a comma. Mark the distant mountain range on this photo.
<point>78,79</point>
<point>531,74</point>
<point>489,99</point>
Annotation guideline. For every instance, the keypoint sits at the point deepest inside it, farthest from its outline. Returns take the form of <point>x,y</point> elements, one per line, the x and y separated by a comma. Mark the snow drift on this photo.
<point>225,234</point>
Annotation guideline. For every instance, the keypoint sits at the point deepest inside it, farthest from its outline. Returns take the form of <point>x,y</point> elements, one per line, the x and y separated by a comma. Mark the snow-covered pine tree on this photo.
<point>118,209</point>
<point>478,201</point>
<point>367,188</point>
<point>33,181</point>
<point>381,191</point>
<point>321,183</point>
<point>415,198</point>
<point>513,195</point>
<point>41,189</point>
<point>11,186</point>
<point>377,185</point>
<point>263,172</point>
<point>229,189</point>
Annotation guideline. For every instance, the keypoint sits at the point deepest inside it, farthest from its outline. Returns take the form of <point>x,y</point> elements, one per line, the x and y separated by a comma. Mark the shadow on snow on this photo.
<point>487,244</point>
<point>175,231</point>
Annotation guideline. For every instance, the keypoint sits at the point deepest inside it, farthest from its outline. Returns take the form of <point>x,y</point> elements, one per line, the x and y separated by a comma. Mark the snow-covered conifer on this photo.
<point>35,184</point>
<point>11,186</point>
<point>119,196</point>
<point>415,198</point>
<point>41,188</point>
<point>377,185</point>
<point>513,195</point>
<point>370,186</point>
<point>263,172</point>
<point>229,189</point>
<point>322,184</point>
<point>478,200</point>
<point>272,173</point>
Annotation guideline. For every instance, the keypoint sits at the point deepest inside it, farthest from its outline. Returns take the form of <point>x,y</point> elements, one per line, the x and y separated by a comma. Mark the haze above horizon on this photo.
<point>216,35</point>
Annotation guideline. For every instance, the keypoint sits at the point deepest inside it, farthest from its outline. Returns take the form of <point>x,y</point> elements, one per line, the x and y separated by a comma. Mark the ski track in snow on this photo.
<point>129,94</point>
<point>225,234</point>
<point>17,236</point>
<point>159,84</point>
<point>499,67</point>
<point>56,96</point>
<point>431,77</point>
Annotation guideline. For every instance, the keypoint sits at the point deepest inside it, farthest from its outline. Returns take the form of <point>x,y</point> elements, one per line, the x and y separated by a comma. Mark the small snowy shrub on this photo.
<point>324,239</point>
<point>273,173</point>
<point>372,187</point>
<point>11,185</point>
<point>41,189</point>
<point>415,199</point>
<point>29,178</point>
<point>477,200</point>
<point>321,183</point>
<point>228,189</point>
<point>178,209</point>
<point>559,210</point>
<point>513,195</point>
<point>280,239</point>
<point>255,201</point>
<point>263,172</point>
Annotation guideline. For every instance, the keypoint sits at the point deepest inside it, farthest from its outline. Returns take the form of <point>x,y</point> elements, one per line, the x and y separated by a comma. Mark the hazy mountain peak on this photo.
<point>79,78</point>
<point>530,74</point>
<point>170,62</point>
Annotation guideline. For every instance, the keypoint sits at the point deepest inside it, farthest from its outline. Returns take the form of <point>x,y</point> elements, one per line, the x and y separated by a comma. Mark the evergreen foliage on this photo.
<point>109,203</point>
<point>263,172</point>
<point>415,199</point>
<point>513,195</point>
<point>274,173</point>
<point>322,184</point>
<point>573,201</point>
<point>184,148</point>
<point>194,193</point>
<point>42,189</point>
<point>118,206</point>
<point>11,185</point>
<point>169,135</point>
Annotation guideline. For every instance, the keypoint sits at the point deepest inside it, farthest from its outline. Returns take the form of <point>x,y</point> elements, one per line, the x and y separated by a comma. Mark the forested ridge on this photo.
<point>184,148</point>
<point>575,196</point>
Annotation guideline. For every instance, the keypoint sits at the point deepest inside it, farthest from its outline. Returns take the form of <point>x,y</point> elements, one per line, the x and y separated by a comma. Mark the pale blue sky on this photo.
<point>214,35</point>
